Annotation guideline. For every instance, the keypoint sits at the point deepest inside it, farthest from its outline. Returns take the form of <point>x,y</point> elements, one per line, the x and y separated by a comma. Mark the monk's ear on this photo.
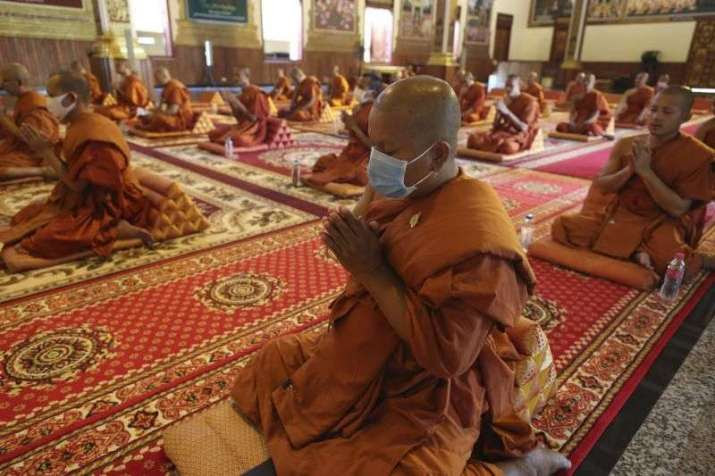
<point>442,151</point>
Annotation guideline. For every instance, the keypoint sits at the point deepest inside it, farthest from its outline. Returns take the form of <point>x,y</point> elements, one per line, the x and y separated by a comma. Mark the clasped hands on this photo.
<point>642,157</point>
<point>354,242</point>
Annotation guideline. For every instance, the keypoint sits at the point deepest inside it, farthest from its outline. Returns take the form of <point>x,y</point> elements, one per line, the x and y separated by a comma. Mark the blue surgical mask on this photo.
<point>387,174</point>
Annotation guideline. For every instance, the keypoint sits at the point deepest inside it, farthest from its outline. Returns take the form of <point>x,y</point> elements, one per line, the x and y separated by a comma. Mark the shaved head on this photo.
<point>297,74</point>
<point>684,96</point>
<point>162,75</point>
<point>124,68</point>
<point>77,67</point>
<point>641,78</point>
<point>15,72</point>
<point>534,76</point>
<point>69,82</point>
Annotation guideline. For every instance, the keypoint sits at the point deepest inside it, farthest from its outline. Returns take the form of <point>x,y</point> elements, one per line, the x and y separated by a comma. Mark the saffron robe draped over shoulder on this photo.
<point>174,94</point>
<point>505,137</point>
<point>339,91</point>
<point>70,221</point>
<point>131,95</point>
<point>537,90</point>
<point>95,90</point>
<point>350,166</point>
<point>357,399</point>
<point>636,101</point>
<point>472,103</point>
<point>30,109</point>
<point>585,107</point>
<point>246,133</point>
<point>620,224</point>
<point>282,91</point>
<point>307,92</point>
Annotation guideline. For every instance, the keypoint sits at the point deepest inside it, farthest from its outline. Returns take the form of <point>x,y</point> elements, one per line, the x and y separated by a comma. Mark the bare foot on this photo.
<point>125,230</point>
<point>643,259</point>
<point>538,462</point>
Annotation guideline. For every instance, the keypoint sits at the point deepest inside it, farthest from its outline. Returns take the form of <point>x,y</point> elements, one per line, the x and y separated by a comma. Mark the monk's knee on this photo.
<point>508,147</point>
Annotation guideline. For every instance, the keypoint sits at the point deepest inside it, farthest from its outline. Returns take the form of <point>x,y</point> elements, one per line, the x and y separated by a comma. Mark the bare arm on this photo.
<point>43,148</point>
<point>664,196</point>
<point>613,176</point>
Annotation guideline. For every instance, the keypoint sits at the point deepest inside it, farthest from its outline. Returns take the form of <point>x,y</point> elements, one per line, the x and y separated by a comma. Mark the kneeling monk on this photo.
<point>656,188</point>
<point>417,365</point>
<point>515,125</point>
<point>635,103</point>
<point>590,113</point>
<point>251,110</point>
<point>174,113</point>
<point>350,166</point>
<point>339,89</point>
<point>97,199</point>
<point>17,159</point>
<point>472,100</point>
<point>131,95</point>
<point>307,104</point>
<point>706,131</point>
<point>282,91</point>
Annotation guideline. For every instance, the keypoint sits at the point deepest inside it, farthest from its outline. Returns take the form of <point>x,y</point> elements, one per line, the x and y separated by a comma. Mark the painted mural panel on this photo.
<point>335,15</point>
<point>478,16</point>
<point>417,19</point>
<point>543,12</point>
<point>626,11</point>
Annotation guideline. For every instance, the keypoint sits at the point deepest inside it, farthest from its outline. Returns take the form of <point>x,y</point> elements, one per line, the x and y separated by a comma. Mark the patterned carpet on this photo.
<point>98,357</point>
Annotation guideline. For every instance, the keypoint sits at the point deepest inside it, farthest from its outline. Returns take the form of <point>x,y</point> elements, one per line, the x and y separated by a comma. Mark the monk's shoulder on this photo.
<point>31,100</point>
<point>695,152</point>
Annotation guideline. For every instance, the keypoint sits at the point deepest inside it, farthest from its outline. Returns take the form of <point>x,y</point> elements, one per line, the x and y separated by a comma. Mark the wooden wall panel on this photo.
<point>615,70</point>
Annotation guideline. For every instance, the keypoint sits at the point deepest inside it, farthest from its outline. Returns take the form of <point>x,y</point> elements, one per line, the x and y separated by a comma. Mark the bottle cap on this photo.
<point>529,216</point>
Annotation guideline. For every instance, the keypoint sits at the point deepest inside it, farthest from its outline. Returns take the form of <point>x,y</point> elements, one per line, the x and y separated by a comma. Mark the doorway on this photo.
<point>502,36</point>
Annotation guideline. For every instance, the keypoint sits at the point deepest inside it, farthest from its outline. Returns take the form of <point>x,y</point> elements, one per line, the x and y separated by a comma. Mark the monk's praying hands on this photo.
<point>354,243</point>
<point>641,157</point>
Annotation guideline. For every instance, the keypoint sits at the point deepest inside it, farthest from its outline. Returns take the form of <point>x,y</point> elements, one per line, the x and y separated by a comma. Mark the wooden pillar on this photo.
<point>574,42</point>
<point>441,61</point>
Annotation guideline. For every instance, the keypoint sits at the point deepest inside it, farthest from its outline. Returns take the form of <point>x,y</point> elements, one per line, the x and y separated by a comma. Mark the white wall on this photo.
<point>626,43</point>
<point>527,44</point>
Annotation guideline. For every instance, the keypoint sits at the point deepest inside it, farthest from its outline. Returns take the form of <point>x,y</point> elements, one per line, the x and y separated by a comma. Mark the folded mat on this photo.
<point>202,125</point>
<point>594,264</point>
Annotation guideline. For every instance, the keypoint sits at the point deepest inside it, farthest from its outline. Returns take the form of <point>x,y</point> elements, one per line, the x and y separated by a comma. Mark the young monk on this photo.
<point>339,89</point>
<point>95,89</point>
<point>706,131</point>
<point>307,104</point>
<point>636,101</point>
<point>416,367</point>
<point>472,101</point>
<point>97,199</point>
<point>576,87</point>
<point>535,89</point>
<point>516,123</point>
<point>251,110</point>
<point>282,91</point>
<point>590,112</point>
<point>132,95</point>
<point>350,165</point>
<point>174,113</point>
<point>17,159</point>
<point>656,187</point>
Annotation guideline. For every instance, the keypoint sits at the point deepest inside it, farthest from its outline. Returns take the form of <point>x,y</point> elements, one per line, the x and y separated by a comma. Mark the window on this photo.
<point>457,40</point>
<point>150,21</point>
<point>378,35</point>
<point>282,22</point>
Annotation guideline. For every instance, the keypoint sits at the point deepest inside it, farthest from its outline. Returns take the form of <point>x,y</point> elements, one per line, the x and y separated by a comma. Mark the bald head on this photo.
<point>297,74</point>
<point>15,78</point>
<point>589,81</point>
<point>69,82</point>
<point>533,77</point>
<point>162,76</point>
<point>683,95</point>
<point>77,67</point>
<point>124,69</point>
<point>641,79</point>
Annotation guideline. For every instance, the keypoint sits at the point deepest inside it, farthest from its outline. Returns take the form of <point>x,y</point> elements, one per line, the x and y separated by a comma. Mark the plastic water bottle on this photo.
<point>295,174</point>
<point>526,233</point>
<point>228,149</point>
<point>673,278</point>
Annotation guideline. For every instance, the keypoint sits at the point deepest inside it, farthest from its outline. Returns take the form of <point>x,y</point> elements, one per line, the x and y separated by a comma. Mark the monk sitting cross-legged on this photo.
<point>635,103</point>
<point>17,159</point>
<point>95,90</point>
<point>515,125</point>
<point>706,131</point>
<point>307,104</point>
<point>350,165</point>
<point>282,91</point>
<point>97,200</point>
<point>339,89</point>
<point>590,113</point>
<point>132,95</point>
<point>416,369</point>
<point>251,110</point>
<point>472,101</point>
<point>656,188</point>
<point>174,113</point>
<point>537,90</point>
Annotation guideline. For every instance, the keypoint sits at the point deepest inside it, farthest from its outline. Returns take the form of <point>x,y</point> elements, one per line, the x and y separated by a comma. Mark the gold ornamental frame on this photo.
<point>50,22</point>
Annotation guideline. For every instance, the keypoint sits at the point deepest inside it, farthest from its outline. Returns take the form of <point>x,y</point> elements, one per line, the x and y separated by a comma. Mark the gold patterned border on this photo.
<point>38,21</point>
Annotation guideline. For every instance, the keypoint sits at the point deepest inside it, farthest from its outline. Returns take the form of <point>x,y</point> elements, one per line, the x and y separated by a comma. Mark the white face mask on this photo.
<point>54,105</point>
<point>358,94</point>
<point>387,174</point>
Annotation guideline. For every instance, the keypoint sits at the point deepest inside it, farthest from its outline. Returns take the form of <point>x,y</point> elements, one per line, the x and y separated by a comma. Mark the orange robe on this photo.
<point>340,91</point>
<point>537,90</point>
<point>131,95</point>
<point>308,91</point>
<point>584,108</point>
<point>506,138</point>
<point>359,400</point>
<point>574,90</point>
<point>472,103</point>
<point>709,138</point>
<point>71,222</point>
<point>620,224</point>
<point>95,90</point>
<point>31,109</point>
<point>350,166</point>
<point>175,93</point>
<point>282,91</point>
<point>636,102</point>
<point>246,133</point>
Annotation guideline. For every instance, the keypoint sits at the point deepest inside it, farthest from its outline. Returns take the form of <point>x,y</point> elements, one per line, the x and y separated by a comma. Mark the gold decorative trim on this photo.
<point>441,59</point>
<point>226,34</point>
<point>322,40</point>
<point>38,21</point>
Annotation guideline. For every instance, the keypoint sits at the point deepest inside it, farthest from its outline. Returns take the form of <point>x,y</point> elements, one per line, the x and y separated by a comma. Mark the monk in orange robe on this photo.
<point>339,89</point>
<point>97,199</point>
<point>17,159</point>
<point>634,105</point>
<point>418,363</point>
<point>535,89</point>
<point>576,87</point>
<point>473,100</point>
<point>515,125</point>
<point>307,104</point>
<point>132,95</point>
<point>174,113</point>
<point>350,165</point>
<point>95,89</point>
<point>282,91</point>
<point>459,83</point>
<point>706,131</point>
<point>652,193</point>
<point>590,113</point>
<point>251,110</point>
